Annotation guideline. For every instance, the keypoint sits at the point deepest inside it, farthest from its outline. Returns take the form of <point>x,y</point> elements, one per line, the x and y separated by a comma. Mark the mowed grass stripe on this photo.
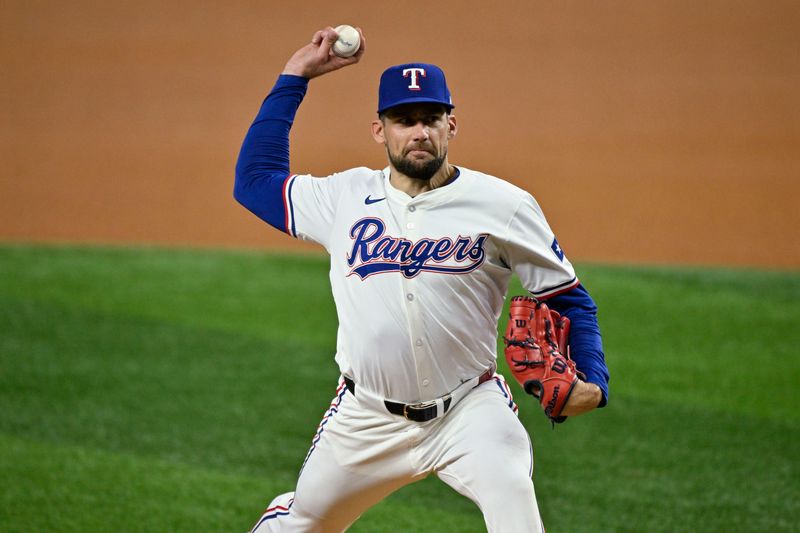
<point>154,388</point>
<point>245,292</point>
<point>653,466</point>
<point>222,362</point>
<point>702,337</point>
<point>77,489</point>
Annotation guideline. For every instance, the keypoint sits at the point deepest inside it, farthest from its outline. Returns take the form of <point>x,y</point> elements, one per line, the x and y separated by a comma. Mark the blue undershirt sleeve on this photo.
<point>263,164</point>
<point>586,344</point>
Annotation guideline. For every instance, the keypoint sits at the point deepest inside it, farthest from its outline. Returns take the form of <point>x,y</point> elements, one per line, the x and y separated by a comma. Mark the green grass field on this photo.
<point>160,391</point>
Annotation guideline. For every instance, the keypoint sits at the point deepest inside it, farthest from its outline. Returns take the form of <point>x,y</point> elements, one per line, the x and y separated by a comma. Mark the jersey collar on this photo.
<point>452,188</point>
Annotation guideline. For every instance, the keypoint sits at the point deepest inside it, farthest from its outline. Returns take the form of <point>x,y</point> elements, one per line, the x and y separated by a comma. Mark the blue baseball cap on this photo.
<point>413,83</point>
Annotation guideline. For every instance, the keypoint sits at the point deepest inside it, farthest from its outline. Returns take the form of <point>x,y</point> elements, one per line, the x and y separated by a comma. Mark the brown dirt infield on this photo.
<point>650,132</point>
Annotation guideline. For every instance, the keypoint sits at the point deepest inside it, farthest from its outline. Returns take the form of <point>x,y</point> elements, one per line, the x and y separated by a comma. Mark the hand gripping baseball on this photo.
<point>316,58</point>
<point>538,356</point>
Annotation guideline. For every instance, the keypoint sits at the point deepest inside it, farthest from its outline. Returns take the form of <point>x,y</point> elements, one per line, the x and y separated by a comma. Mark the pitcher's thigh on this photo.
<point>329,496</point>
<point>490,461</point>
<point>354,462</point>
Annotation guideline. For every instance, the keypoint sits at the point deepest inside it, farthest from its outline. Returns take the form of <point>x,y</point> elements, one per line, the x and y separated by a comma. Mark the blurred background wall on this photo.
<point>665,131</point>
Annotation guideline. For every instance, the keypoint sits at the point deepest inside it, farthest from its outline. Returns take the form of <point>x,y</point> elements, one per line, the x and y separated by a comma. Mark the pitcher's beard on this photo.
<point>420,171</point>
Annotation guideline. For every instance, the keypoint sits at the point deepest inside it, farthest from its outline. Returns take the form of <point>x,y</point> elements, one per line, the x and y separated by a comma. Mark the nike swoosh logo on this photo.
<point>369,200</point>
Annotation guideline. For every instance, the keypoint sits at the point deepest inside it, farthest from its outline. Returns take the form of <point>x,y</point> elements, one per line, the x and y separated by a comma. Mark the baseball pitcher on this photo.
<point>421,254</point>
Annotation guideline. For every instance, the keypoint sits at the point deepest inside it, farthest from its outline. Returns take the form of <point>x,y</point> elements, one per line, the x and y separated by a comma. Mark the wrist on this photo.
<point>584,398</point>
<point>293,70</point>
<point>594,394</point>
<point>290,80</point>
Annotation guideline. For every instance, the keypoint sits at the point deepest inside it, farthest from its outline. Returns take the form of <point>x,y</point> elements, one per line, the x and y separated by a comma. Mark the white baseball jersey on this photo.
<point>419,283</point>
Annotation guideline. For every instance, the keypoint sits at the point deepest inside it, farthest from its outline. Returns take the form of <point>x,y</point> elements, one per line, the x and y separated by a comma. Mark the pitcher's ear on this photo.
<point>377,131</point>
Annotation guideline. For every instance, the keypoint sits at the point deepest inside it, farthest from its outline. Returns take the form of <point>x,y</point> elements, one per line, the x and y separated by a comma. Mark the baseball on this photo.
<point>349,41</point>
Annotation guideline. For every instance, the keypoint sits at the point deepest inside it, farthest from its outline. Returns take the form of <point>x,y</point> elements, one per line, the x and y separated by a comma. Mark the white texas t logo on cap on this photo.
<point>404,84</point>
<point>414,80</point>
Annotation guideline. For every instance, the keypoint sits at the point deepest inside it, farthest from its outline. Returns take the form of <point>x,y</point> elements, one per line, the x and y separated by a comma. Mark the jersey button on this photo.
<point>425,382</point>
<point>410,225</point>
<point>410,297</point>
<point>412,208</point>
<point>419,342</point>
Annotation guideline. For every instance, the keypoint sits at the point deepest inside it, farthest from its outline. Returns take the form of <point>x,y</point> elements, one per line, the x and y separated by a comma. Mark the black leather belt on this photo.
<point>418,412</point>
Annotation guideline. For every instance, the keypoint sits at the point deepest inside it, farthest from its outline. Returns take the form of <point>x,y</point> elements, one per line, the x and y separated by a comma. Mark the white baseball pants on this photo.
<point>360,455</point>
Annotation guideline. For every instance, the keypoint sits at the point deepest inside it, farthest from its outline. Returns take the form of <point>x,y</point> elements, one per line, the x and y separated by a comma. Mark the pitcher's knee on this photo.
<point>510,491</point>
<point>510,507</point>
<point>278,509</point>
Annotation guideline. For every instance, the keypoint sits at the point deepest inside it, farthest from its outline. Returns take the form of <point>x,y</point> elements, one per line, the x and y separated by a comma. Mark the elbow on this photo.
<point>243,190</point>
<point>246,197</point>
<point>239,190</point>
<point>262,195</point>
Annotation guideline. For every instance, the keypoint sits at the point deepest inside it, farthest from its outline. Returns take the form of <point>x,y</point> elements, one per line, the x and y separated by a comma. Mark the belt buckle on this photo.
<point>416,406</point>
<point>422,406</point>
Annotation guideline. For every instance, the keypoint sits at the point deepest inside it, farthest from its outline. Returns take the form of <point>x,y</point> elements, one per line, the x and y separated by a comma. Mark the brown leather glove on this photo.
<point>538,356</point>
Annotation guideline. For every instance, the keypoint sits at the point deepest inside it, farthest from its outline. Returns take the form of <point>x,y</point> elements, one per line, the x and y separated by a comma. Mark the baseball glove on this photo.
<point>538,356</point>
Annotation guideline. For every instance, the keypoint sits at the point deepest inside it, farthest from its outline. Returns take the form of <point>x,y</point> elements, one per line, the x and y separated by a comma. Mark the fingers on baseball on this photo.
<point>353,58</point>
<point>363,46</point>
<point>330,36</point>
<point>327,37</point>
<point>324,40</point>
